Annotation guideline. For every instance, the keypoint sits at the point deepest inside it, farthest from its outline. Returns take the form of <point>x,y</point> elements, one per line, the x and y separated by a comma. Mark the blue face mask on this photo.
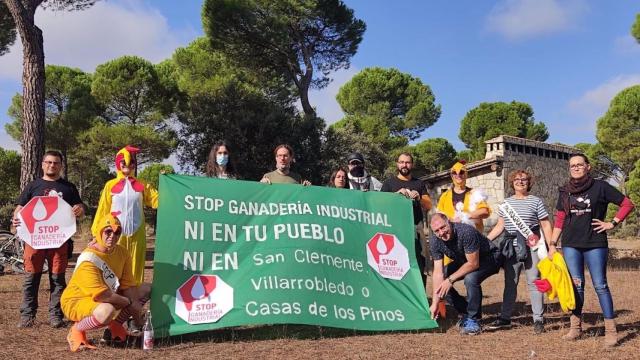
<point>222,160</point>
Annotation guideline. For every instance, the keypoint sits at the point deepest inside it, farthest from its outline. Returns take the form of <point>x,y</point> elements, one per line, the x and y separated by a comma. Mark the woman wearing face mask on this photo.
<point>338,179</point>
<point>580,212</point>
<point>218,164</point>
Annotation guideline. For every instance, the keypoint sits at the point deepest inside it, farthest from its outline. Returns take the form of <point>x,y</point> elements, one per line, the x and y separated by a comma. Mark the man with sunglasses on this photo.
<point>359,178</point>
<point>51,184</point>
<point>461,203</point>
<point>102,290</point>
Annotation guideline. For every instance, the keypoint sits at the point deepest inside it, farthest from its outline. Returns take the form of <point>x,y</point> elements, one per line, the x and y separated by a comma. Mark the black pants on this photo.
<point>30,287</point>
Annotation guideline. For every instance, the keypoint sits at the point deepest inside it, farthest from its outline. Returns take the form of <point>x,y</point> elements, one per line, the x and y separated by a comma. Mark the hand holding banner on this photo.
<point>232,253</point>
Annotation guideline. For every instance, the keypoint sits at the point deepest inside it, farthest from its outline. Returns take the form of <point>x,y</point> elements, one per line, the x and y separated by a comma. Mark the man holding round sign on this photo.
<point>45,218</point>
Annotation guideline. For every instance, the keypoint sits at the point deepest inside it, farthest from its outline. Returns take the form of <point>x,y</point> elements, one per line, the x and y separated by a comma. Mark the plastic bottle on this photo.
<point>147,340</point>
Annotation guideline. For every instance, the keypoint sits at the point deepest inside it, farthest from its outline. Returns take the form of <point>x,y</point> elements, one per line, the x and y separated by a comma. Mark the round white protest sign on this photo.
<point>46,222</point>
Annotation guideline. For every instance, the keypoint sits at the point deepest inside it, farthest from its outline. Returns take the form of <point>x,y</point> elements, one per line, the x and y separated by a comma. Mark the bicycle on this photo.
<point>11,253</point>
<point>11,250</point>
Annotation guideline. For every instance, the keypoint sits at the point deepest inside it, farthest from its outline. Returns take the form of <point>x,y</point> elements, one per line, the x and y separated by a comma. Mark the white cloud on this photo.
<point>85,39</point>
<point>324,100</point>
<point>595,102</point>
<point>626,45</point>
<point>7,141</point>
<point>517,19</point>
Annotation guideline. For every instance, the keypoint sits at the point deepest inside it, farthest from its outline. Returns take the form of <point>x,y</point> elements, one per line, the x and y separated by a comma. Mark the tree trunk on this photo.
<point>32,107</point>
<point>306,105</point>
<point>32,145</point>
<point>65,163</point>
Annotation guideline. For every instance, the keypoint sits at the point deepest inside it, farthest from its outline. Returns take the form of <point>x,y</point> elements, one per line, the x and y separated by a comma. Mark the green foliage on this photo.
<point>401,104</point>
<point>102,142</point>
<point>14,128</point>
<point>7,29</point>
<point>433,155</point>
<point>635,28</point>
<point>224,102</point>
<point>131,91</point>
<point>469,155</point>
<point>373,128</point>
<point>151,173</point>
<point>10,174</point>
<point>602,167</point>
<point>490,120</point>
<point>633,187</point>
<point>341,141</point>
<point>89,176</point>
<point>285,39</point>
<point>619,129</point>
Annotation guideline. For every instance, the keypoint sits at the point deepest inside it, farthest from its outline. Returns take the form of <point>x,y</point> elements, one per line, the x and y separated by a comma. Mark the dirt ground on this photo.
<point>310,342</point>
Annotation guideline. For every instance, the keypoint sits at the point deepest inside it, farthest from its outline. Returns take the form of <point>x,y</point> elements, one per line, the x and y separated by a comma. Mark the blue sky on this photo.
<point>566,58</point>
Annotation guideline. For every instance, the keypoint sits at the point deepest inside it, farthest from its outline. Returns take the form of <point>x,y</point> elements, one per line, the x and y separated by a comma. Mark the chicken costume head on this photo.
<point>128,155</point>
<point>107,221</point>
<point>459,166</point>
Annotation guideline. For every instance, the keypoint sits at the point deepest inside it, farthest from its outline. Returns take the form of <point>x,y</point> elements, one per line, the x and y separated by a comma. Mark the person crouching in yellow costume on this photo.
<point>461,203</point>
<point>124,197</point>
<point>102,291</point>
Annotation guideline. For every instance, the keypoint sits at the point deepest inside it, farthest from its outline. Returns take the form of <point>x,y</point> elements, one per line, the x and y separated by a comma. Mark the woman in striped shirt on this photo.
<point>518,250</point>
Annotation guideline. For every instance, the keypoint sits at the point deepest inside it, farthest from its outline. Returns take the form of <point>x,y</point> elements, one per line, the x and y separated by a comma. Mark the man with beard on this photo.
<point>359,179</point>
<point>413,189</point>
<point>283,174</point>
<point>51,184</point>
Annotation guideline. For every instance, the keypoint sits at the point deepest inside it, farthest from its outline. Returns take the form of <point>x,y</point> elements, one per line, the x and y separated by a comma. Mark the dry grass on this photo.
<point>294,341</point>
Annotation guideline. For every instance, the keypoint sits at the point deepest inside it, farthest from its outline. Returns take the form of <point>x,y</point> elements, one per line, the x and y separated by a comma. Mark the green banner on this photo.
<point>232,253</point>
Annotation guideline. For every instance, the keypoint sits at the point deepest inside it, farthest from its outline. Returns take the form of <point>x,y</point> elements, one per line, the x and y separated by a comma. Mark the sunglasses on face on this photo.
<point>460,173</point>
<point>110,232</point>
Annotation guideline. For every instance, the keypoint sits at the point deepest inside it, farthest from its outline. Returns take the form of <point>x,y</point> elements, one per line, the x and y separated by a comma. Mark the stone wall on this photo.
<point>547,163</point>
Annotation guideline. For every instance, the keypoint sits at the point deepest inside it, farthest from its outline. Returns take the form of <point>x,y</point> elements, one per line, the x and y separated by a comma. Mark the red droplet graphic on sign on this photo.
<point>40,210</point>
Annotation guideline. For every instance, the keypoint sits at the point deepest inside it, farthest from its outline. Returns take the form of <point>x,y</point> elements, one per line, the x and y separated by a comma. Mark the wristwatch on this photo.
<point>614,222</point>
<point>450,281</point>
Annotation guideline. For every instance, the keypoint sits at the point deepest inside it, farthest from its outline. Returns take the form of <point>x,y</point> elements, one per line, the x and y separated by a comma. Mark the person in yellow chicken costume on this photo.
<point>461,203</point>
<point>102,291</point>
<point>124,197</point>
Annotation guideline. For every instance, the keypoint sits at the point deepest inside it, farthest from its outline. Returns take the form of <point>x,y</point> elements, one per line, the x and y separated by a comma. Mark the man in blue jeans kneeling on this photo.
<point>460,252</point>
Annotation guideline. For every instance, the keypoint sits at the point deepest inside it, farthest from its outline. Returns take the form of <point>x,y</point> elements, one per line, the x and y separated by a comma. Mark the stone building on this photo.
<point>547,163</point>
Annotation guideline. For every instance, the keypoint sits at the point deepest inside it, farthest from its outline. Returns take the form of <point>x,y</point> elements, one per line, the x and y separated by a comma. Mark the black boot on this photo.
<point>29,305</point>
<point>57,284</point>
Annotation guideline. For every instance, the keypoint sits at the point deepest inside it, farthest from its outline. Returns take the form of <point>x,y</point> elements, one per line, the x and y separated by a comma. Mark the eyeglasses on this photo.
<point>522,180</point>
<point>460,173</point>
<point>110,232</point>
<point>577,166</point>
<point>51,162</point>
